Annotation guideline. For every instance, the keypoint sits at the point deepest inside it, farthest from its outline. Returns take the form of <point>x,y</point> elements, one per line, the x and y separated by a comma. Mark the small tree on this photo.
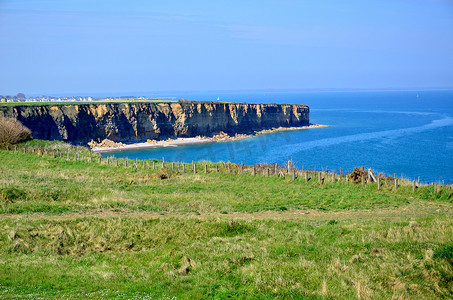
<point>12,132</point>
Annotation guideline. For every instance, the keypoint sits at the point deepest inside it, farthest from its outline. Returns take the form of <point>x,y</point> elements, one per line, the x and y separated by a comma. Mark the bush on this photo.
<point>12,132</point>
<point>356,175</point>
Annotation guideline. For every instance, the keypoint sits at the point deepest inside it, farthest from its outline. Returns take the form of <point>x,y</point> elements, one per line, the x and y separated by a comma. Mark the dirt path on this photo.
<point>413,210</point>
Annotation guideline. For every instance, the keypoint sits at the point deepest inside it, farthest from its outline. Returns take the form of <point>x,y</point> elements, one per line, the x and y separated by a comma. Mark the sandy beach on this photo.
<point>151,144</point>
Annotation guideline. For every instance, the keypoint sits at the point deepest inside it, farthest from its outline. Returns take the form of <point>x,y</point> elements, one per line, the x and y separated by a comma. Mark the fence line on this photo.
<point>289,170</point>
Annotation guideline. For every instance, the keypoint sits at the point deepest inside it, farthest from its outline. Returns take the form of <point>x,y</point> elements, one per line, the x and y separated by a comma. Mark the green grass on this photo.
<point>78,229</point>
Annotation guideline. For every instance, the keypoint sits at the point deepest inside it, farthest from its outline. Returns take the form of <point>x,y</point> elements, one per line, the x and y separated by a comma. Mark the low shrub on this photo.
<point>356,175</point>
<point>163,175</point>
<point>12,132</point>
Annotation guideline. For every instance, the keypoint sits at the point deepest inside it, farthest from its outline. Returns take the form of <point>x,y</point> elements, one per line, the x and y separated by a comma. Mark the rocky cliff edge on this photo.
<point>137,122</point>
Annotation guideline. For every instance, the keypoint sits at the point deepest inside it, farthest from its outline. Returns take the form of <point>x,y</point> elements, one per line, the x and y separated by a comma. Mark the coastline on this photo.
<point>222,137</point>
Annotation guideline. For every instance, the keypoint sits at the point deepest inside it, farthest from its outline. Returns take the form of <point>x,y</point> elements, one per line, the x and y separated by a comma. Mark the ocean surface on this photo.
<point>407,133</point>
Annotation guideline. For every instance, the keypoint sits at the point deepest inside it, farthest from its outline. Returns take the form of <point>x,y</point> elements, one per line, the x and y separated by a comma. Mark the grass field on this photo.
<point>83,229</point>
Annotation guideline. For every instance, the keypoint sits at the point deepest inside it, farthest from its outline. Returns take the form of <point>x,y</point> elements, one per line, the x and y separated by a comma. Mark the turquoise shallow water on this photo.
<point>407,133</point>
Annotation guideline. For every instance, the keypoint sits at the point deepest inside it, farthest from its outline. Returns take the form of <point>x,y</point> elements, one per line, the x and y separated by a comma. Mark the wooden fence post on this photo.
<point>363,180</point>
<point>267,171</point>
<point>205,169</point>
<point>144,164</point>
<point>163,164</point>
<point>172,166</point>
<point>319,176</point>
<point>275,169</point>
<point>333,177</point>
<point>254,171</point>
<point>183,168</point>
<point>229,170</point>
<point>154,165</point>
<point>379,183</point>
<point>217,168</point>
<point>306,176</point>
<point>396,183</point>
<point>294,174</point>
<point>413,186</point>
<point>195,169</point>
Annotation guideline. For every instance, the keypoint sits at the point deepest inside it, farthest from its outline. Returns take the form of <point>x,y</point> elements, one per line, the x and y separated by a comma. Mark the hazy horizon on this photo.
<point>174,93</point>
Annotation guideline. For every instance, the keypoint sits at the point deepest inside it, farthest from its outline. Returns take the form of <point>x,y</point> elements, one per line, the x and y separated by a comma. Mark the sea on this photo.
<point>404,133</point>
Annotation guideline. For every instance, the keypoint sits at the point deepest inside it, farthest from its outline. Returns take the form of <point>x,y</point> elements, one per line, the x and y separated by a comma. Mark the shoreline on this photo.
<point>187,141</point>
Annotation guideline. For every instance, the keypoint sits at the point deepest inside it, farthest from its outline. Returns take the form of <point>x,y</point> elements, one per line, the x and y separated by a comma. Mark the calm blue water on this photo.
<point>391,132</point>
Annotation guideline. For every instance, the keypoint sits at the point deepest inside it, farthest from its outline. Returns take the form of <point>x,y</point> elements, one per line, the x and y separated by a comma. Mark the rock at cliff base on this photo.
<point>105,143</point>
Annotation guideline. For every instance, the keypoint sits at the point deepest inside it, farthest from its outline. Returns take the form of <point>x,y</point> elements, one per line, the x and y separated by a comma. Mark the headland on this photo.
<point>140,122</point>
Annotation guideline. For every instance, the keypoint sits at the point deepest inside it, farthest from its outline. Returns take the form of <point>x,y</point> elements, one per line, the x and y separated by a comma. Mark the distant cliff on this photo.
<point>135,122</point>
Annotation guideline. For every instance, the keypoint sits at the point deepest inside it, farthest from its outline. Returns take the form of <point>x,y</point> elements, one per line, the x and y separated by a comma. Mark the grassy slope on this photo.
<point>78,229</point>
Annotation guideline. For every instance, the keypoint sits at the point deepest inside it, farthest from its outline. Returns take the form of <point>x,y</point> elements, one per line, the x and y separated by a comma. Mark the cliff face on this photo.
<point>134,122</point>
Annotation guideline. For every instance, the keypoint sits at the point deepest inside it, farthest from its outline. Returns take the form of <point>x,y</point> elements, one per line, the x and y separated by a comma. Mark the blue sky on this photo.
<point>109,46</point>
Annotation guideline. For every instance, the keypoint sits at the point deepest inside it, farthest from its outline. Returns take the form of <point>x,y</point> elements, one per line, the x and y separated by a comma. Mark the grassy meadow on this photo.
<point>76,227</point>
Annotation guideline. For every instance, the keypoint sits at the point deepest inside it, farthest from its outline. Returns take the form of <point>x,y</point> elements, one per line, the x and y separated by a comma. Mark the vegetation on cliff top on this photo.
<point>38,103</point>
<point>180,101</point>
<point>75,228</point>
